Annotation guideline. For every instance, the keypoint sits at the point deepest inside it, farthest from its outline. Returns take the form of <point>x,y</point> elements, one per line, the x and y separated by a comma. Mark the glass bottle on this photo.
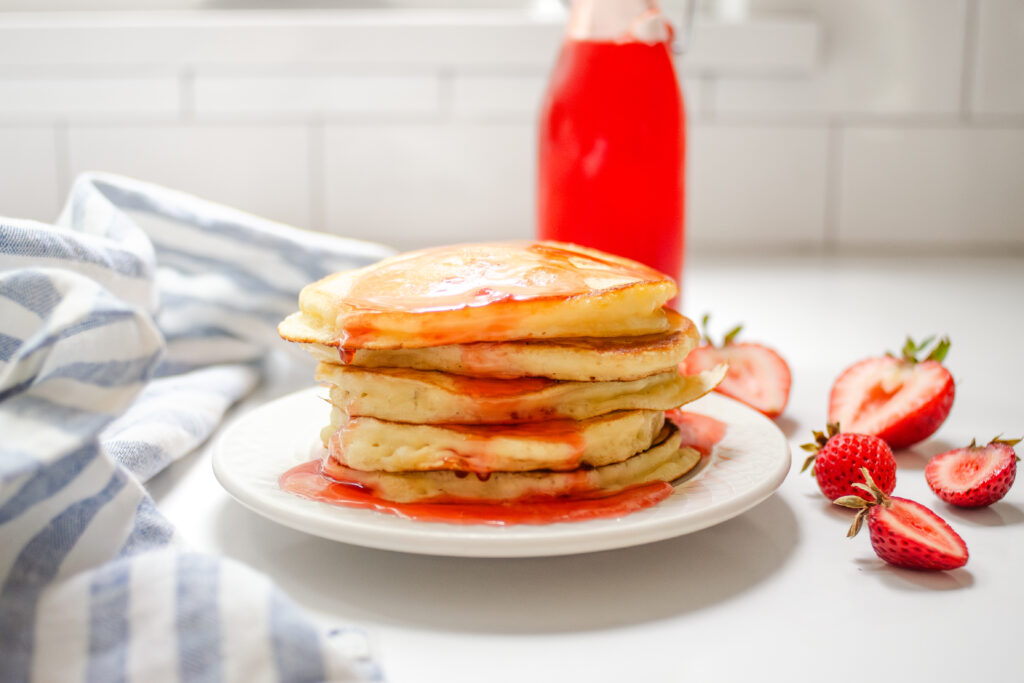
<point>612,136</point>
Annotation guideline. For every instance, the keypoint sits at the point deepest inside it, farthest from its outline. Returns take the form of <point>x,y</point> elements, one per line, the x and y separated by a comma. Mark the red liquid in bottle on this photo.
<point>612,145</point>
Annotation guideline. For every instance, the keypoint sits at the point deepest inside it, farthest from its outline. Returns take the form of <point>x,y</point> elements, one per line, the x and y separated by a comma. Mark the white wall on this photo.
<point>903,127</point>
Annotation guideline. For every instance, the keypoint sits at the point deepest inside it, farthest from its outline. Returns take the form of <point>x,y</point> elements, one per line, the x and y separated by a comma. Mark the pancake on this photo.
<point>427,397</point>
<point>500,373</point>
<point>482,293</point>
<point>583,359</point>
<point>366,443</point>
<point>664,461</point>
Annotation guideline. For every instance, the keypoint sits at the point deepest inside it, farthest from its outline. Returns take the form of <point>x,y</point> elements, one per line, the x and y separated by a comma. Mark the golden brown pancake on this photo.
<point>366,443</point>
<point>426,397</point>
<point>664,461</point>
<point>482,292</point>
<point>582,359</point>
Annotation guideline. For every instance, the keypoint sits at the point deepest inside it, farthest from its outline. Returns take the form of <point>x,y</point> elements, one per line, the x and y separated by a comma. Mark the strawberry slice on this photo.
<point>758,376</point>
<point>901,400</point>
<point>905,533</point>
<point>974,476</point>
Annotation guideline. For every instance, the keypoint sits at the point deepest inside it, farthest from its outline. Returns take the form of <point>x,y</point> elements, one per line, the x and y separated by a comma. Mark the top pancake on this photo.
<point>489,292</point>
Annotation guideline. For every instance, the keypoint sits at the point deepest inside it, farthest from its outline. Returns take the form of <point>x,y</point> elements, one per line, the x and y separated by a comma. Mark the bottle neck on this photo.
<point>618,21</point>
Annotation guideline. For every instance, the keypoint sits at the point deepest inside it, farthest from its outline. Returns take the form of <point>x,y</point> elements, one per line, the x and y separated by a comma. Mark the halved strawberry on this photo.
<point>974,476</point>
<point>758,376</point>
<point>901,400</point>
<point>905,533</point>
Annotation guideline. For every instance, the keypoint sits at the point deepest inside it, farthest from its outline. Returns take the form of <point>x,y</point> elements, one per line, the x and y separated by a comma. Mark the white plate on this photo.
<point>743,469</point>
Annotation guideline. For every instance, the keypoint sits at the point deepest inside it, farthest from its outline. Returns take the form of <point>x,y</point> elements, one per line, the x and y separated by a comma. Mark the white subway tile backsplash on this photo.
<point>786,44</point>
<point>998,84</point>
<point>695,99</point>
<point>66,98</point>
<point>794,96</point>
<point>472,37</point>
<point>498,95</point>
<point>261,169</point>
<point>350,37</point>
<point>417,128</point>
<point>417,185</point>
<point>932,187</point>
<point>29,175</point>
<point>878,58</point>
<point>305,93</point>
<point>756,186</point>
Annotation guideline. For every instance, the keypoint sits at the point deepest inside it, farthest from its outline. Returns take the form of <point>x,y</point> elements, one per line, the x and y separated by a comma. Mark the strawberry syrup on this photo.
<point>698,431</point>
<point>309,481</point>
<point>474,458</point>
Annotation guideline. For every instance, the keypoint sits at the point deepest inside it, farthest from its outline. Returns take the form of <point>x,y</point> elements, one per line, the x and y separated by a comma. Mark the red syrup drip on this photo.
<point>308,481</point>
<point>485,274</point>
<point>698,431</point>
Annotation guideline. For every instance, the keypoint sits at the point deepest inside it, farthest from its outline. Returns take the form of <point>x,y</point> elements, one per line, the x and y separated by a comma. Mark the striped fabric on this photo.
<point>127,329</point>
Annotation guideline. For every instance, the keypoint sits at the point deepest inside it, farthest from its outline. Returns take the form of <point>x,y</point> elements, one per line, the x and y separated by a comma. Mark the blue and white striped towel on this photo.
<point>126,331</point>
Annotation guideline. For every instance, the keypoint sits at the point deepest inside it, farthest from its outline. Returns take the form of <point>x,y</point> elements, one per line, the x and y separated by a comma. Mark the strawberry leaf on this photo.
<point>808,462</point>
<point>909,350</point>
<point>871,487</point>
<point>731,335</point>
<point>858,521</point>
<point>939,352</point>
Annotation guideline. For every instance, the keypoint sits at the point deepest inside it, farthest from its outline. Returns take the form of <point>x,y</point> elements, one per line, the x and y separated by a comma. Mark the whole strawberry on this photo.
<point>902,400</point>
<point>905,533</point>
<point>839,457</point>
<point>758,375</point>
<point>974,476</point>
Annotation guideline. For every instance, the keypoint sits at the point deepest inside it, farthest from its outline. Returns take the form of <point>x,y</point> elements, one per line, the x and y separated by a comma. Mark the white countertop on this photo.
<point>776,592</point>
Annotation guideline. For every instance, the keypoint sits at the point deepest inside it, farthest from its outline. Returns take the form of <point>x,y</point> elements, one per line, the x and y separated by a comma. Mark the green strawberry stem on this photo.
<point>862,506</point>
<point>820,439</point>
<point>729,338</point>
<point>911,350</point>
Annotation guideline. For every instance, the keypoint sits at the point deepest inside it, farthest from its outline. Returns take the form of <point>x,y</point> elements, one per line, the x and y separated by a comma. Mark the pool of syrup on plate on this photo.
<point>308,481</point>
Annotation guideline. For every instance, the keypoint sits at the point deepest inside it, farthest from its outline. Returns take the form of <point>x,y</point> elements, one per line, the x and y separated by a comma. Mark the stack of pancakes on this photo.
<point>499,372</point>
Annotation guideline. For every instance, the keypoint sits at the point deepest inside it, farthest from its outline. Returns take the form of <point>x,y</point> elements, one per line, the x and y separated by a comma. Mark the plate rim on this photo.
<point>372,529</point>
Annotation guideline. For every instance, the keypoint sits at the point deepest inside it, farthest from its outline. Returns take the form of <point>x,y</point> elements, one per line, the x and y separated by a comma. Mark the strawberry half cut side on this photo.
<point>900,400</point>
<point>905,533</point>
<point>758,375</point>
<point>974,476</point>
